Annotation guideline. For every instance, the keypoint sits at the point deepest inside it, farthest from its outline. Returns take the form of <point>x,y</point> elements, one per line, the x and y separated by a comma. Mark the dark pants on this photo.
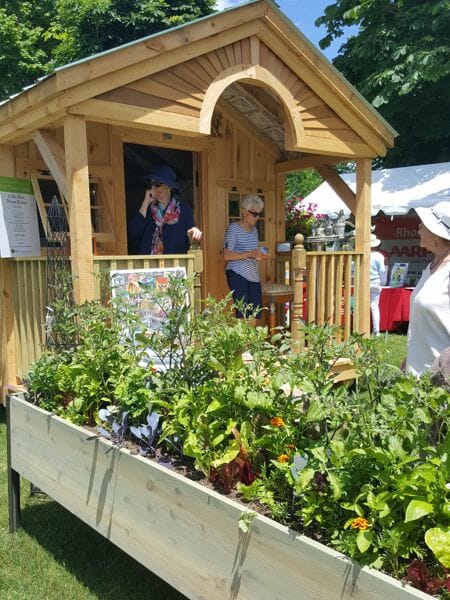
<point>247,291</point>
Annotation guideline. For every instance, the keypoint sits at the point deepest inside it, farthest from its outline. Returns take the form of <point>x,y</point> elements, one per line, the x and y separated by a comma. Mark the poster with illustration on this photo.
<point>144,289</point>
<point>398,275</point>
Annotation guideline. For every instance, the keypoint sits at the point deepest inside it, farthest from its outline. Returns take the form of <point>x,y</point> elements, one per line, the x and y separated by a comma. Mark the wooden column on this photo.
<point>362,240</point>
<point>75,142</point>
<point>120,213</point>
<point>298,270</point>
<point>8,347</point>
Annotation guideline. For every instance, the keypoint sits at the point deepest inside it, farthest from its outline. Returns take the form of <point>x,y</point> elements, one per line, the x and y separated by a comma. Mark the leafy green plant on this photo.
<point>362,467</point>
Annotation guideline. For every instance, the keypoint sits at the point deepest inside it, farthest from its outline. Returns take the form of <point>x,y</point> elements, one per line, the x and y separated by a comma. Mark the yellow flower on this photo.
<point>283,458</point>
<point>277,421</point>
<point>360,523</point>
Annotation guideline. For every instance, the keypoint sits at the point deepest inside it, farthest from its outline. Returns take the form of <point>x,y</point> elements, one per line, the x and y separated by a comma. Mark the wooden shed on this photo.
<point>232,102</point>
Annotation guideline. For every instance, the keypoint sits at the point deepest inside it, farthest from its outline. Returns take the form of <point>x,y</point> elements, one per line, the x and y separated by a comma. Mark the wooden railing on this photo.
<point>326,286</point>
<point>193,263</point>
<point>331,281</point>
<point>22,306</point>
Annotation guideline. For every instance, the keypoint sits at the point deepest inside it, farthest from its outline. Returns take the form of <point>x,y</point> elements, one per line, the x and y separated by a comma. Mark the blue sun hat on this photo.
<point>164,174</point>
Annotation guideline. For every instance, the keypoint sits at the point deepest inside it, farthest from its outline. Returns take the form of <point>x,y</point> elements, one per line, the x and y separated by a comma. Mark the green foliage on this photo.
<point>400,61</point>
<point>364,467</point>
<point>99,367</point>
<point>302,183</point>
<point>36,37</point>
<point>92,26</point>
<point>24,51</point>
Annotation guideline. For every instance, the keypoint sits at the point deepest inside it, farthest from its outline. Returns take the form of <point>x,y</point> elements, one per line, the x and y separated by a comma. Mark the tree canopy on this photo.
<point>36,37</point>
<point>400,61</point>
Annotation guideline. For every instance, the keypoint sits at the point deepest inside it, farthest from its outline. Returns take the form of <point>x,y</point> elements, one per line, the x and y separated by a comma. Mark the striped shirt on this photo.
<point>238,239</point>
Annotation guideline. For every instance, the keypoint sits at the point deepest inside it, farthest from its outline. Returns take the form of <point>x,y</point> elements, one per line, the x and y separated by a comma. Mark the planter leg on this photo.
<point>13,481</point>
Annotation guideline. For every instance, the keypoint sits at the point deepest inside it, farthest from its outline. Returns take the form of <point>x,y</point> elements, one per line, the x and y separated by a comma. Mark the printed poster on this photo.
<point>142,288</point>
<point>398,275</point>
<point>19,228</point>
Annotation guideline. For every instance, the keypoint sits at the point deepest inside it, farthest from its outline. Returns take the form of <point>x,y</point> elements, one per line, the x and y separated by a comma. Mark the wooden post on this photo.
<point>75,141</point>
<point>198,270</point>
<point>13,479</point>
<point>120,214</point>
<point>362,241</point>
<point>8,347</point>
<point>298,269</point>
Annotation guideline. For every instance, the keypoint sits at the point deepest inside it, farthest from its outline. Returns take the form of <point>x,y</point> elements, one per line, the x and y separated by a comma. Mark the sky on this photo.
<point>302,13</point>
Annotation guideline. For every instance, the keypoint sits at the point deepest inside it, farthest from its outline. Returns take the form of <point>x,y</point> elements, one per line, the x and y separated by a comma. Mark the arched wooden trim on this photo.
<point>256,74</point>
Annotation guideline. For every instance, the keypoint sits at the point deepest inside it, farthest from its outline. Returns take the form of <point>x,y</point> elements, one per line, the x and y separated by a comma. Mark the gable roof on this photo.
<point>393,191</point>
<point>317,99</point>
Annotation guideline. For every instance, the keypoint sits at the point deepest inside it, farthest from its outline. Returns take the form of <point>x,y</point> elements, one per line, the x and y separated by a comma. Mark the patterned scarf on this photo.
<point>161,216</point>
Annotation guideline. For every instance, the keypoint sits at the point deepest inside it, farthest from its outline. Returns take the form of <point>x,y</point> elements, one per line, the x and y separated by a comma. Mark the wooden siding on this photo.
<point>181,91</point>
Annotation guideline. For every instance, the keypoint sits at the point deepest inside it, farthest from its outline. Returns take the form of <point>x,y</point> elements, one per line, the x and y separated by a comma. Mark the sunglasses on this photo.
<point>254,213</point>
<point>154,183</point>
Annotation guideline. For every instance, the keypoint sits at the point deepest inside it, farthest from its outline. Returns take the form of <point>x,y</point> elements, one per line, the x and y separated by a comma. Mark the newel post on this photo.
<point>197,253</point>
<point>298,269</point>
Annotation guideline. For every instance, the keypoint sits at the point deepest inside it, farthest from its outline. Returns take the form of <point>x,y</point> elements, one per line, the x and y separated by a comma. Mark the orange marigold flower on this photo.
<point>290,447</point>
<point>277,421</point>
<point>360,523</point>
<point>283,458</point>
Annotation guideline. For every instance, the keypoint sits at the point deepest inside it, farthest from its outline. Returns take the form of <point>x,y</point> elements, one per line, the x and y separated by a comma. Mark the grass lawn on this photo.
<point>394,345</point>
<point>57,557</point>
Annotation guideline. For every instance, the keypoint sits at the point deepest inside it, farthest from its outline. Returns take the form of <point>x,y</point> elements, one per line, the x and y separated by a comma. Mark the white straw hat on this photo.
<point>437,218</point>
<point>374,241</point>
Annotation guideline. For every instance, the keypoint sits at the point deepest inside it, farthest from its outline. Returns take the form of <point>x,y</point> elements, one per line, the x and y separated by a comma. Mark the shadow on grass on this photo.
<point>100,566</point>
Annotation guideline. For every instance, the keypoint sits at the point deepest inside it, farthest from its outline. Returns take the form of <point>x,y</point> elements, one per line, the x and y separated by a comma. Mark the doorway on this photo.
<point>138,162</point>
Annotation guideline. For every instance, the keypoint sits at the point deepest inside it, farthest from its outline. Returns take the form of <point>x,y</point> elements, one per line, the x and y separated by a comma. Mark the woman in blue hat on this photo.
<point>164,224</point>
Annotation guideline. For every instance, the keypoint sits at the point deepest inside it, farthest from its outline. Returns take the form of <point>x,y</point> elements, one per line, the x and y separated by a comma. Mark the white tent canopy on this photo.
<point>394,191</point>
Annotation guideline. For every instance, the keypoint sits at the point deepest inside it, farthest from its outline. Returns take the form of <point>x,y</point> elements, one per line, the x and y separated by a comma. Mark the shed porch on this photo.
<point>248,99</point>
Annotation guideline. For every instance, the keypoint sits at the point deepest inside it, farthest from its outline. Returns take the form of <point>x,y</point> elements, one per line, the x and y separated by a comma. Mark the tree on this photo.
<point>24,51</point>
<point>400,61</point>
<point>36,37</point>
<point>93,26</point>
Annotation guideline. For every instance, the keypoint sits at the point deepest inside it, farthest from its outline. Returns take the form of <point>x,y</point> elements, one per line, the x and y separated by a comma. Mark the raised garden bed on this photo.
<point>185,533</point>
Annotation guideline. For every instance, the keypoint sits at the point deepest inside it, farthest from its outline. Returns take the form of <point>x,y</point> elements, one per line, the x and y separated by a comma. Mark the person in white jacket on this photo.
<point>377,280</point>
<point>429,321</point>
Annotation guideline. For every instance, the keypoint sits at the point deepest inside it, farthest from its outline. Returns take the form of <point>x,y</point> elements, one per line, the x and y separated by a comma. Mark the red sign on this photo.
<point>400,241</point>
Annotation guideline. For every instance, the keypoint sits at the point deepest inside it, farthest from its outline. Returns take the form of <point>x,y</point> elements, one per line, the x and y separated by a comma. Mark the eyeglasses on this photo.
<point>254,213</point>
<point>154,183</point>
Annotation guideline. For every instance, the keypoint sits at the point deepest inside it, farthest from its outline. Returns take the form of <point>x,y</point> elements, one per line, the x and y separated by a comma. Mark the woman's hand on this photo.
<point>148,199</point>
<point>194,233</point>
<point>258,254</point>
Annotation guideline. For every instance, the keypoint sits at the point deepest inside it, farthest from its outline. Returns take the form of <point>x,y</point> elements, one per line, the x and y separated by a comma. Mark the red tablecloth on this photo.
<point>394,307</point>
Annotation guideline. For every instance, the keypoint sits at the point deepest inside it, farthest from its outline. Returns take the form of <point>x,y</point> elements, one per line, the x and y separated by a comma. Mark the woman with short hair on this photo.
<point>241,253</point>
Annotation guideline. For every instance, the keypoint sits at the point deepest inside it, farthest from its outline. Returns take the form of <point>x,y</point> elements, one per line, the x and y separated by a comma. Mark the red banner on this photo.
<point>401,243</point>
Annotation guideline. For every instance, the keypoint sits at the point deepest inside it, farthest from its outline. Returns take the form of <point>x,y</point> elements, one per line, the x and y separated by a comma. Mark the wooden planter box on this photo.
<point>183,532</point>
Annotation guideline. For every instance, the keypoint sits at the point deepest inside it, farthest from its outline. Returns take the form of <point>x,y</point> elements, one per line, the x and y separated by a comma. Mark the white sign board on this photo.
<point>19,228</point>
